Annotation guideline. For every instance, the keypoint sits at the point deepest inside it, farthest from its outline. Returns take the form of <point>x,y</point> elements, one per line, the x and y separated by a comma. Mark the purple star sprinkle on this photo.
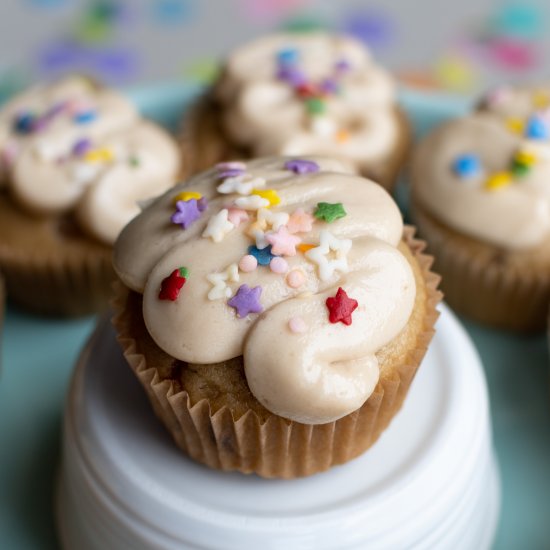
<point>302,166</point>
<point>81,147</point>
<point>231,173</point>
<point>342,66</point>
<point>292,76</point>
<point>330,86</point>
<point>187,213</point>
<point>246,300</point>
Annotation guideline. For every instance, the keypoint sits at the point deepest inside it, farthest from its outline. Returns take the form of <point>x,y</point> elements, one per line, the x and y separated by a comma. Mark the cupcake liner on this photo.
<point>504,289</point>
<point>205,143</point>
<point>50,267</point>
<point>261,442</point>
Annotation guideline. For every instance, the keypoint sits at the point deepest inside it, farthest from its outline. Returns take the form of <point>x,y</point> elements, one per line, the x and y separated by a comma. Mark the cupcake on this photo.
<point>480,198</point>
<point>301,94</point>
<point>75,159</point>
<point>275,311</point>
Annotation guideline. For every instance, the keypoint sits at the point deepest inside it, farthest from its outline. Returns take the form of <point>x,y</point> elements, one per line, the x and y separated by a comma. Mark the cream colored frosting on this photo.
<point>297,363</point>
<point>512,216</point>
<point>125,159</point>
<point>264,112</point>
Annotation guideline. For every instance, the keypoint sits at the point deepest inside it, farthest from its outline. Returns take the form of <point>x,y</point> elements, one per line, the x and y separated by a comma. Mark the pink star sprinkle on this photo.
<point>300,222</point>
<point>248,263</point>
<point>282,242</point>
<point>236,216</point>
<point>297,325</point>
<point>278,265</point>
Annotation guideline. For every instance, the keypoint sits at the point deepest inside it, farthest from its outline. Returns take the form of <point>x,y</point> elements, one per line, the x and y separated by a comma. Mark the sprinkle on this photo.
<point>315,106</point>
<point>342,66</point>
<point>252,202</point>
<point>231,165</point>
<point>522,163</point>
<point>269,194</point>
<point>85,117</point>
<point>231,173</point>
<point>323,126</point>
<point>187,213</point>
<point>219,288</point>
<point>302,166</point>
<point>297,325</point>
<point>467,166</point>
<point>218,226</point>
<point>320,255</point>
<point>288,56</point>
<point>237,216</point>
<point>171,285</point>
<point>329,212</point>
<point>248,263</point>
<point>515,125</point>
<point>81,147</point>
<point>330,86</point>
<point>278,265</point>
<point>134,162</point>
<point>246,300</point>
<point>341,307</point>
<point>259,237</point>
<point>24,123</point>
<point>300,222</point>
<point>242,184</point>
<point>537,128</point>
<point>304,247</point>
<point>273,219</point>
<point>263,255</point>
<point>525,157</point>
<point>102,154</point>
<point>282,242</point>
<point>291,75</point>
<point>342,136</point>
<point>498,181</point>
<point>186,196</point>
<point>296,278</point>
<point>306,90</point>
<point>541,99</point>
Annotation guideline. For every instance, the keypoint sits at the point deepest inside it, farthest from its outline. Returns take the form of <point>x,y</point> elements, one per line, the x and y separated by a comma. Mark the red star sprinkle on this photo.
<point>171,285</point>
<point>340,307</point>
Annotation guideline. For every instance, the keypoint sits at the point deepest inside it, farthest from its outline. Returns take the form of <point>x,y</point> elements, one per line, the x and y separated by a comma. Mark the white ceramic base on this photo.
<point>430,482</point>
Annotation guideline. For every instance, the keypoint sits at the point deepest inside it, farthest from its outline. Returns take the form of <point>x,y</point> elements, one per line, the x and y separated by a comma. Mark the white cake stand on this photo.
<point>430,482</point>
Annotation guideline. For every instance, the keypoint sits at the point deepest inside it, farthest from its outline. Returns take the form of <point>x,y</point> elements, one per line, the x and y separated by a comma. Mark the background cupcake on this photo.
<point>275,312</point>
<point>75,160</point>
<point>293,94</point>
<point>480,198</point>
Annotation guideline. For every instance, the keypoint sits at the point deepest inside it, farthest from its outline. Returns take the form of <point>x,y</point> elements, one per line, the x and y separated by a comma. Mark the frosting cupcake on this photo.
<point>275,311</point>
<point>292,94</point>
<point>481,200</point>
<point>75,159</point>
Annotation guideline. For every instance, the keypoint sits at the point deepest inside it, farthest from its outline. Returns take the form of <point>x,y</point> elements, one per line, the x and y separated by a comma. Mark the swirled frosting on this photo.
<point>486,174</point>
<point>315,93</point>
<point>74,145</point>
<point>291,263</point>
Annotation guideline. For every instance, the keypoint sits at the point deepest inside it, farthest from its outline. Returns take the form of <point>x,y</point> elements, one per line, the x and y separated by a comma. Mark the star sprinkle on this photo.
<point>246,300</point>
<point>329,212</point>
<point>341,307</point>
<point>320,255</point>
<point>171,285</point>
<point>242,184</point>
<point>300,222</point>
<point>498,180</point>
<point>467,166</point>
<point>263,255</point>
<point>259,237</point>
<point>218,226</point>
<point>103,154</point>
<point>187,213</point>
<point>522,163</point>
<point>187,195</point>
<point>230,169</point>
<point>252,202</point>
<point>219,281</point>
<point>269,194</point>
<point>272,219</point>
<point>537,128</point>
<point>282,242</point>
<point>302,166</point>
<point>237,216</point>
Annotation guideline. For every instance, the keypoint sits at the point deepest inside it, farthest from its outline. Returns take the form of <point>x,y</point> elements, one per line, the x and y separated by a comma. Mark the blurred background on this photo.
<point>462,46</point>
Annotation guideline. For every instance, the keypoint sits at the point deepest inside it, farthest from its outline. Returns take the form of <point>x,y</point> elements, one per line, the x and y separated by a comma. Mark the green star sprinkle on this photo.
<point>519,169</point>
<point>315,106</point>
<point>134,162</point>
<point>329,212</point>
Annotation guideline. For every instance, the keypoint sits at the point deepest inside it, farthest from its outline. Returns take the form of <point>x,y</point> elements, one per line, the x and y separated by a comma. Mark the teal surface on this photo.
<point>38,355</point>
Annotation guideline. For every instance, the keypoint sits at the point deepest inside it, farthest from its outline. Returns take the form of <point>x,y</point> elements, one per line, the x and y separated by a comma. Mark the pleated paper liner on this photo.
<point>232,431</point>
<point>50,267</point>
<point>500,288</point>
<point>204,143</point>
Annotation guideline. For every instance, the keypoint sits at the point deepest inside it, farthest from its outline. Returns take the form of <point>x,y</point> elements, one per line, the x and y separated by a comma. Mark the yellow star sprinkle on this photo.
<point>515,125</point>
<point>99,155</point>
<point>498,181</point>
<point>525,157</point>
<point>269,194</point>
<point>541,99</point>
<point>304,247</point>
<point>342,136</point>
<point>187,196</point>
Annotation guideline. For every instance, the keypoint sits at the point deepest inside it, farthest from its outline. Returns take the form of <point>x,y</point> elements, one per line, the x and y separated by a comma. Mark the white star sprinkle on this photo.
<point>273,219</point>
<point>253,202</point>
<point>243,184</point>
<point>219,281</point>
<point>218,226</point>
<point>320,254</point>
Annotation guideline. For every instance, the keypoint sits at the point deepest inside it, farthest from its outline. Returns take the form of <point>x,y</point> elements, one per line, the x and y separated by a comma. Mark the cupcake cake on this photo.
<point>480,198</point>
<point>301,94</point>
<point>275,311</point>
<point>75,159</point>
